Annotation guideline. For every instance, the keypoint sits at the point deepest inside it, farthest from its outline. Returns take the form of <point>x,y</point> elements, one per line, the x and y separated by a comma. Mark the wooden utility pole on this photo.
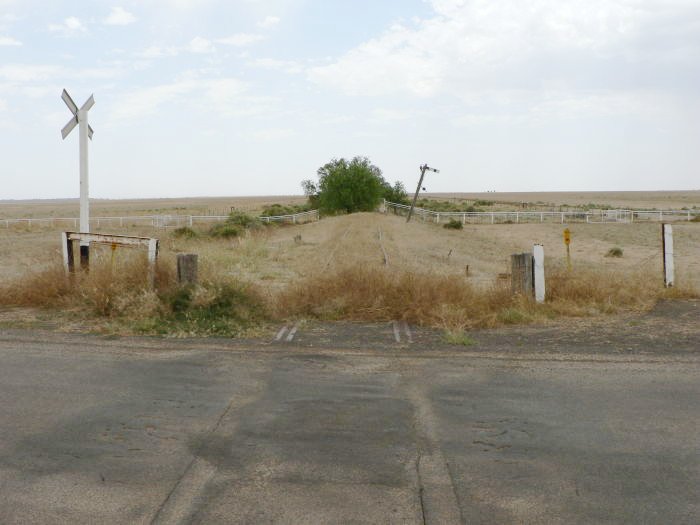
<point>80,119</point>
<point>423,169</point>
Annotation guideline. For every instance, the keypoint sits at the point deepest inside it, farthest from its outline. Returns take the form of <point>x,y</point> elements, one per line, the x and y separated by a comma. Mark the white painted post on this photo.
<point>84,193</point>
<point>152,255</point>
<point>667,243</point>
<point>538,256</point>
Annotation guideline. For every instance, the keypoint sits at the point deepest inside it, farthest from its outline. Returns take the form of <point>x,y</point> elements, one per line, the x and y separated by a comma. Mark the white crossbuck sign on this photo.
<point>80,119</point>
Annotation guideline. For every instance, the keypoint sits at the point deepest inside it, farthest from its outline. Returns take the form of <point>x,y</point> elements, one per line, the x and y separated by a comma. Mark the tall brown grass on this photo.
<point>220,305</point>
<point>380,294</point>
<point>120,293</point>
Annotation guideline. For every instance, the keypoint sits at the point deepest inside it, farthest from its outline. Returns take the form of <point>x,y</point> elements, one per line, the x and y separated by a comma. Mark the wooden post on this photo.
<point>667,247</point>
<point>521,273</point>
<point>187,268</point>
<point>538,272</point>
<point>67,249</point>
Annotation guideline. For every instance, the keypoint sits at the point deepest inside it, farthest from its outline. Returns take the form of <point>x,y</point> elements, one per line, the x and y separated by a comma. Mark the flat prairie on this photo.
<point>19,209</point>
<point>614,199</point>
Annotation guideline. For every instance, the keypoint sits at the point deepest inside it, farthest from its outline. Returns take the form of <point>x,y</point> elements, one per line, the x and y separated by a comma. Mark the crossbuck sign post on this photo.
<point>80,119</point>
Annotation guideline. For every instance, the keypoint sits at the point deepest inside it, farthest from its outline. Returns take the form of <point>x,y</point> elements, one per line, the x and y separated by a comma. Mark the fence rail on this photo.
<point>515,217</point>
<point>156,221</point>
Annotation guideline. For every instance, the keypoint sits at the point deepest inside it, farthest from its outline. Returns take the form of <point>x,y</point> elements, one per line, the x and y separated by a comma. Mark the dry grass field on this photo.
<point>615,199</point>
<point>109,207</point>
<point>372,266</point>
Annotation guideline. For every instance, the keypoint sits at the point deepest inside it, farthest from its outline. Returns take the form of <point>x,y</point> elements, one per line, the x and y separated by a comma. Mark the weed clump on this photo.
<point>454,224</point>
<point>220,309</point>
<point>235,225</point>
<point>185,232</point>
<point>614,252</point>
<point>224,230</point>
<point>275,210</point>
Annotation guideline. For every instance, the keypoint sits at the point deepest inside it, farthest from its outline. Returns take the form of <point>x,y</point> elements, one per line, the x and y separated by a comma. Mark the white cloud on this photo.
<point>70,26</point>
<point>240,39</point>
<point>3,105</point>
<point>512,44</point>
<point>286,66</point>
<point>158,52</point>
<point>272,134</point>
<point>9,41</point>
<point>269,22</point>
<point>119,16</point>
<point>22,73</point>
<point>221,95</point>
<point>25,74</point>
<point>200,45</point>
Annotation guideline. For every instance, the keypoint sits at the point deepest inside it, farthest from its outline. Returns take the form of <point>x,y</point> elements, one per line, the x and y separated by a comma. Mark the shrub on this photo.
<point>225,230</point>
<point>454,224</point>
<point>614,252</point>
<point>274,210</point>
<point>212,309</point>
<point>184,233</point>
<point>238,218</point>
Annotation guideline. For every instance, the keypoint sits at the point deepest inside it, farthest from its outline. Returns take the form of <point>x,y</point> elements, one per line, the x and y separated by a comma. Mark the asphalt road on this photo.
<point>94,430</point>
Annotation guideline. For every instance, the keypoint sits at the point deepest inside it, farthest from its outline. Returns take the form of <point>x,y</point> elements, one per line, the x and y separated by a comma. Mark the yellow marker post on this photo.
<point>567,241</point>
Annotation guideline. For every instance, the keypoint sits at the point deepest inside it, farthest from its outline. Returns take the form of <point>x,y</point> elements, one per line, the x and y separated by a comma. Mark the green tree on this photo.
<point>349,186</point>
<point>396,193</point>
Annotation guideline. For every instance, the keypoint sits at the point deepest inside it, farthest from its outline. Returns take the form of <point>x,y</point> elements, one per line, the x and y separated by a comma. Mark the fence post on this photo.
<point>521,274</point>
<point>667,247</point>
<point>152,256</point>
<point>538,258</point>
<point>67,249</point>
<point>187,268</point>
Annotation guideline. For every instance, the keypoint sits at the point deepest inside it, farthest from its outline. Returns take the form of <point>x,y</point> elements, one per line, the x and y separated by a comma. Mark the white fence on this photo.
<point>156,221</point>
<point>515,217</point>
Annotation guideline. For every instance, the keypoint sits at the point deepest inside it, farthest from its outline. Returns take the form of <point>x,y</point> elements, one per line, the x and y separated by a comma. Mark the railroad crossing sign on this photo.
<point>80,119</point>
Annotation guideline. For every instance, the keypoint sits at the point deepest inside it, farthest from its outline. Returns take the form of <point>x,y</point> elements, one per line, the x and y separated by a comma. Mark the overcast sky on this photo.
<point>249,97</point>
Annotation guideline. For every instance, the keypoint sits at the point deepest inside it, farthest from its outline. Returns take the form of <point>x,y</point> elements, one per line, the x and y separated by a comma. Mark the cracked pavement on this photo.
<point>139,430</point>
